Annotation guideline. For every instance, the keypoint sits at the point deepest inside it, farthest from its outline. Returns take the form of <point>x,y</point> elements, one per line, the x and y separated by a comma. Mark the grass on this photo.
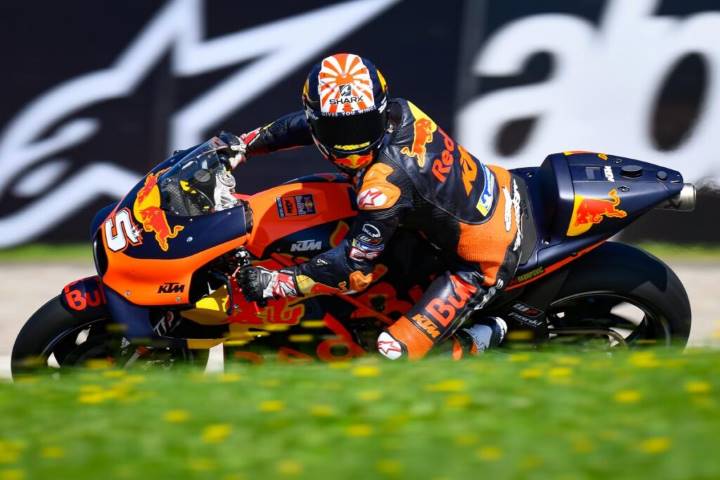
<point>39,252</point>
<point>42,252</point>
<point>522,415</point>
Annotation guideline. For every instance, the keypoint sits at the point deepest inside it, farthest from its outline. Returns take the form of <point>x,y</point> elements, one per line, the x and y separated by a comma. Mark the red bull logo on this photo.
<point>424,128</point>
<point>147,211</point>
<point>591,211</point>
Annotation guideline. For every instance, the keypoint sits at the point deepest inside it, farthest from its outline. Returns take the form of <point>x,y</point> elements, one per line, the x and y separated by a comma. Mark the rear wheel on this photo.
<point>621,296</point>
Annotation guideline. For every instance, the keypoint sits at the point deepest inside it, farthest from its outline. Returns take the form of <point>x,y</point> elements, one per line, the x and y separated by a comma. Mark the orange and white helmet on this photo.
<point>345,98</point>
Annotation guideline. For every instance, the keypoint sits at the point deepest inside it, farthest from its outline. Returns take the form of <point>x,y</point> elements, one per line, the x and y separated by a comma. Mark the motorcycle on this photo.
<point>167,253</point>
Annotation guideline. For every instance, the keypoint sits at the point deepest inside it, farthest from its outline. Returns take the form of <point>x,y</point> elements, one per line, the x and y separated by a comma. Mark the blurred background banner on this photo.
<point>95,93</point>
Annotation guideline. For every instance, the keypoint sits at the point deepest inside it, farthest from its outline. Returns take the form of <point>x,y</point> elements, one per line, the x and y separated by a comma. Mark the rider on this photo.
<point>408,172</point>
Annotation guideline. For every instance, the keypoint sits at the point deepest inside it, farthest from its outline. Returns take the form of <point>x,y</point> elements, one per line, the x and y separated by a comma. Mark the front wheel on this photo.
<point>621,295</point>
<point>54,339</point>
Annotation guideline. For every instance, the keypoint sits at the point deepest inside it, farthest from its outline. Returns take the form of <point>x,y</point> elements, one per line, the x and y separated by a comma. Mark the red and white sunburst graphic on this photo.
<point>344,85</point>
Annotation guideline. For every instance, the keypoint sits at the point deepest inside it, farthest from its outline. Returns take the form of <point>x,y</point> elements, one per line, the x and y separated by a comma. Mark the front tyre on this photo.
<point>624,295</point>
<point>54,339</point>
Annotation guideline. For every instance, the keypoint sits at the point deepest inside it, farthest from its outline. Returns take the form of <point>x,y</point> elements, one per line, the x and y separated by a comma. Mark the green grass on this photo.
<point>42,252</point>
<point>525,415</point>
<point>39,252</point>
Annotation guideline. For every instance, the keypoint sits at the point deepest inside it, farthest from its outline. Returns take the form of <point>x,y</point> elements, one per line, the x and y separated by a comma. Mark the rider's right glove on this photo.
<point>258,283</point>
<point>239,145</point>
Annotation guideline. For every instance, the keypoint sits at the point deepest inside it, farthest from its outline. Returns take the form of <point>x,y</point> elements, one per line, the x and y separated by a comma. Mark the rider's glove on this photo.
<point>258,283</point>
<point>237,146</point>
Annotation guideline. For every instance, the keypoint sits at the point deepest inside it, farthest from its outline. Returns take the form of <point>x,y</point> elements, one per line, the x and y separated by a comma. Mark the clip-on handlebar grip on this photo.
<point>243,257</point>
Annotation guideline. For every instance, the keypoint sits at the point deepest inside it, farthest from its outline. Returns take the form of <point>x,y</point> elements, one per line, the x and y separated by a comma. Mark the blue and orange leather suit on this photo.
<point>421,179</point>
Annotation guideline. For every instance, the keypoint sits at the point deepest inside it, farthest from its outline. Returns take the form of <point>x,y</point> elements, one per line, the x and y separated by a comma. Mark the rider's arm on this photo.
<point>384,197</point>
<point>347,268</point>
<point>289,131</point>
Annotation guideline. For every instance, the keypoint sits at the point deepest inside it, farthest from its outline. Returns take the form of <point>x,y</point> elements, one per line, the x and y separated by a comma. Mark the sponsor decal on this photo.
<point>344,85</point>
<point>531,274</point>
<point>360,251</point>
<point>295,205</point>
<point>525,320</point>
<point>147,211</point>
<point>171,287</point>
<point>527,310</point>
<point>371,230</point>
<point>426,325</point>
<point>61,119</point>
<point>607,170</point>
<point>591,211</point>
<point>469,170</point>
<point>371,199</point>
<point>306,245</point>
<point>443,310</point>
<point>423,128</point>
<point>388,346</point>
<point>120,231</point>
<point>78,297</point>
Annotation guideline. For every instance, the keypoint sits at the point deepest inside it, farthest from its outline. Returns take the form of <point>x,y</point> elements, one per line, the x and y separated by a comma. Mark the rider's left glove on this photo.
<point>258,283</point>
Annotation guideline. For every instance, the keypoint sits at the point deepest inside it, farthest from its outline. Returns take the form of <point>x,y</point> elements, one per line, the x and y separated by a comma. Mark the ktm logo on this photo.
<point>171,287</point>
<point>426,325</point>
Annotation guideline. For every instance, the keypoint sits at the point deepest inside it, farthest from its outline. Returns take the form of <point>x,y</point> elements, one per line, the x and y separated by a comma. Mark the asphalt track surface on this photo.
<point>25,287</point>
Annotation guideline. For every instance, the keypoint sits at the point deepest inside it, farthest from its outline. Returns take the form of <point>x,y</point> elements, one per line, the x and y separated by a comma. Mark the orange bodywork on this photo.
<point>139,280</point>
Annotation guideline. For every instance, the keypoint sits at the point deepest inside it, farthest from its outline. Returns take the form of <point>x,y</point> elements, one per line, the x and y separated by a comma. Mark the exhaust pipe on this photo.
<point>683,201</point>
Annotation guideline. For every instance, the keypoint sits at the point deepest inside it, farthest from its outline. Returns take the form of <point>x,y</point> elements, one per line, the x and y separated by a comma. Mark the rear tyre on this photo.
<point>627,293</point>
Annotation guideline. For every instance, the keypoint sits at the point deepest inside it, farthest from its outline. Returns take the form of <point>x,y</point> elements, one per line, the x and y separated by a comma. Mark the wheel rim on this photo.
<point>622,319</point>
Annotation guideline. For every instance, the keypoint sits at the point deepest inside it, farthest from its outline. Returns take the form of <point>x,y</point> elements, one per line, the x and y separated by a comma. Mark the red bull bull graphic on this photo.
<point>591,211</point>
<point>147,211</point>
<point>424,128</point>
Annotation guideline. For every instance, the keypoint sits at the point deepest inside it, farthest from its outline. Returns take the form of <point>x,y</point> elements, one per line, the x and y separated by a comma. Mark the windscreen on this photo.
<point>200,183</point>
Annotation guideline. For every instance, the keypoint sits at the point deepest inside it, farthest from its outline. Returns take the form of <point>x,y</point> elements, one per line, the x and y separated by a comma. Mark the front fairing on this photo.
<point>161,251</point>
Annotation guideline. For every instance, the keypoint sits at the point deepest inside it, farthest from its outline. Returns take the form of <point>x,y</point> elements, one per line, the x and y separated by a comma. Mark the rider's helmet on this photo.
<point>345,99</point>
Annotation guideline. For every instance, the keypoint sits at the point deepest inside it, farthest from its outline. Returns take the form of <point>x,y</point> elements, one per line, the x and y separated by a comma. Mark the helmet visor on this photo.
<point>349,134</point>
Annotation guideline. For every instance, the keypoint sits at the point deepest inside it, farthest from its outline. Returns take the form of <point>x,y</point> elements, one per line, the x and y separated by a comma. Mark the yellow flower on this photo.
<point>531,373</point>
<point>369,395</point>
<point>560,372</point>
<point>340,365</point>
<point>365,371</point>
<point>272,406</point>
<point>459,400</point>
<point>322,410</point>
<point>114,373</point>
<point>655,445</point>
<point>98,364</point>
<point>644,360</point>
<point>10,451</point>
<point>627,396</point>
<point>697,387</point>
<point>176,416</point>
<point>92,398</point>
<point>389,467</point>
<point>12,474</point>
<point>359,430</point>
<point>451,385</point>
<point>216,433</point>
<point>567,360</point>
<point>519,357</point>
<point>289,467</point>
<point>229,377</point>
<point>52,452</point>
<point>489,454</point>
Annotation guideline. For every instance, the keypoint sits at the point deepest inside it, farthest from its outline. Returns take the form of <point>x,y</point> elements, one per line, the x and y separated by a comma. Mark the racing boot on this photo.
<point>488,332</point>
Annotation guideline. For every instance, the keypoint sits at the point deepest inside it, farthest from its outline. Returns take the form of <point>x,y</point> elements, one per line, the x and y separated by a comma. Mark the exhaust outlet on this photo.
<point>683,201</point>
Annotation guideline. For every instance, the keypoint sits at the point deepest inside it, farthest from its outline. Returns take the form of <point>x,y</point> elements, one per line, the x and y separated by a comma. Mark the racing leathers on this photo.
<point>423,180</point>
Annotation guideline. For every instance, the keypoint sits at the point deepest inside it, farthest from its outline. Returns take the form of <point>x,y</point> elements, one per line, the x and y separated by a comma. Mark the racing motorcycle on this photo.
<point>167,253</point>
